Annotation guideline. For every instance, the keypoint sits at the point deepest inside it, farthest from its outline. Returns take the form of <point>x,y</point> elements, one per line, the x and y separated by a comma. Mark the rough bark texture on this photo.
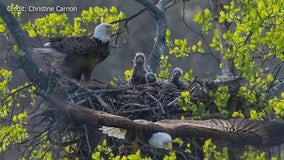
<point>217,7</point>
<point>161,27</point>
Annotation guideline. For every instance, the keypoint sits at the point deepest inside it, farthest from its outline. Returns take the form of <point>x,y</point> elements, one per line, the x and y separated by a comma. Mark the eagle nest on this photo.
<point>152,102</point>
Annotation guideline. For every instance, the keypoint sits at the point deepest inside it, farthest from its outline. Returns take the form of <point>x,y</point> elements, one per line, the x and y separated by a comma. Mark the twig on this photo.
<point>87,138</point>
<point>198,33</point>
<point>15,92</point>
<point>174,101</point>
<point>126,20</point>
<point>103,103</point>
<point>157,101</point>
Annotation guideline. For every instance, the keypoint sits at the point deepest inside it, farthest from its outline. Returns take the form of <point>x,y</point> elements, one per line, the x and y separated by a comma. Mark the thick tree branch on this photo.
<point>81,114</point>
<point>33,72</point>
<point>161,27</point>
<point>217,7</point>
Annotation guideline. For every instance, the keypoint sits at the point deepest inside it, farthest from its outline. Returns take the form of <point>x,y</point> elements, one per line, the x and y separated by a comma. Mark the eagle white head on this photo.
<point>161,140</point>
<point>103,32</point>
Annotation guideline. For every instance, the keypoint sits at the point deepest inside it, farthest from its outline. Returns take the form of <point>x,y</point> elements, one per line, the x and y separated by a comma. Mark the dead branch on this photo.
<point>217,7</point>
<point>161,27</point>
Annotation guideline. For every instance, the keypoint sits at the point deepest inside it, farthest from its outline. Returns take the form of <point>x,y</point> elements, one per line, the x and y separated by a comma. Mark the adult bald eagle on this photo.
<point>139,70</point>
<point>82,53</point>
<point>159,134</point>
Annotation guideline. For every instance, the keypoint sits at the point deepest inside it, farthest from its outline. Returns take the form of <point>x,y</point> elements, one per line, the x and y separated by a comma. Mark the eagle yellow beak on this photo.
<point>112,29</point>
<point>169,147</point>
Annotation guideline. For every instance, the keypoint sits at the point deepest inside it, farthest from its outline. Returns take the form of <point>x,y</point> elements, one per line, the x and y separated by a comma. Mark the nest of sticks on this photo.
<point>152,102</point>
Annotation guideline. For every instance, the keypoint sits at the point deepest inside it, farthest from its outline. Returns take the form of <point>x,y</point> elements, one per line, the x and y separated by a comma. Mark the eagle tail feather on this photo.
<point>114,132</point>
<point>49,52</point>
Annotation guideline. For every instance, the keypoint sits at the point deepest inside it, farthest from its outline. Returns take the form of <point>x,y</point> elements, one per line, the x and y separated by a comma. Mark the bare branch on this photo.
<point>126,20</point>
<point>217,7</point>
<point>161,27</point>
<point>197,33</point>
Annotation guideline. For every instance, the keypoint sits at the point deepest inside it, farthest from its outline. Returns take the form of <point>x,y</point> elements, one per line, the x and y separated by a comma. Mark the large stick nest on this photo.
<point>152,102</point>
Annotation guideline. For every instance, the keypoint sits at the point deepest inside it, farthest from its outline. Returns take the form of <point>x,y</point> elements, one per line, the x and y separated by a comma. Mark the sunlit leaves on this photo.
<point>171,156</point>
<point>196,109</point>
<point>103,152</point>
<point>47,26</point>
<point>181,48</point>
<point>204,18</point>
<point>127,74</point>
<point>185,94</point>
<point>254,115</point>
<point>248,94</point>
<point>211,152</point>
<point>168,38</point>
<point>238,114</point>
<point>257,29</point>
<point>187,76</point>
<point>277,104</point>
<point>251,153</point>
<point>104,15</point>
<point>165,67</point>
<point>221,97</point>
<point>59,24</point>
<point>103,149</point>
<point>2,28</point>
<point>20,117</point>
<point>5,77</point>
<point>43,150</point>
<point>11,135</point>
<point>15,132</point>
<point>16,13</point>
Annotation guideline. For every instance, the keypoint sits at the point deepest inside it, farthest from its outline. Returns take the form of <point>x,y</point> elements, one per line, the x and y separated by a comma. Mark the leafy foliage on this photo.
<point>257,30</point>
<point>59,24</point>
<point>221,98</point>
<point>204,19</point>
<point>165,67</point>
<point>196,109</point>
<point>13,132</point>
<point>180,47</point>
<point>210,151</point>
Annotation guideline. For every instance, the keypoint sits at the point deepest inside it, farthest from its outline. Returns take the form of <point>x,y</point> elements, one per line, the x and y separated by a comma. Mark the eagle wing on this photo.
<point>236,131</point>
<point>73,45</point>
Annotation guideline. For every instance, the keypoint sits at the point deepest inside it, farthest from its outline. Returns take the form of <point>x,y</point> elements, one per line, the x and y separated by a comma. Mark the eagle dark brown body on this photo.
<point>80,57</point>
<point>139,70</point>
<point>80,54</point>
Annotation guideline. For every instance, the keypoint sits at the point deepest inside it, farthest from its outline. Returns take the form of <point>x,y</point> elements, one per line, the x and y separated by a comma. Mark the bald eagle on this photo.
<point>80,54</point>
<point>139,70</point>
<point>151,78</point>
<point>177,73</point>
<point>237,132</point>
